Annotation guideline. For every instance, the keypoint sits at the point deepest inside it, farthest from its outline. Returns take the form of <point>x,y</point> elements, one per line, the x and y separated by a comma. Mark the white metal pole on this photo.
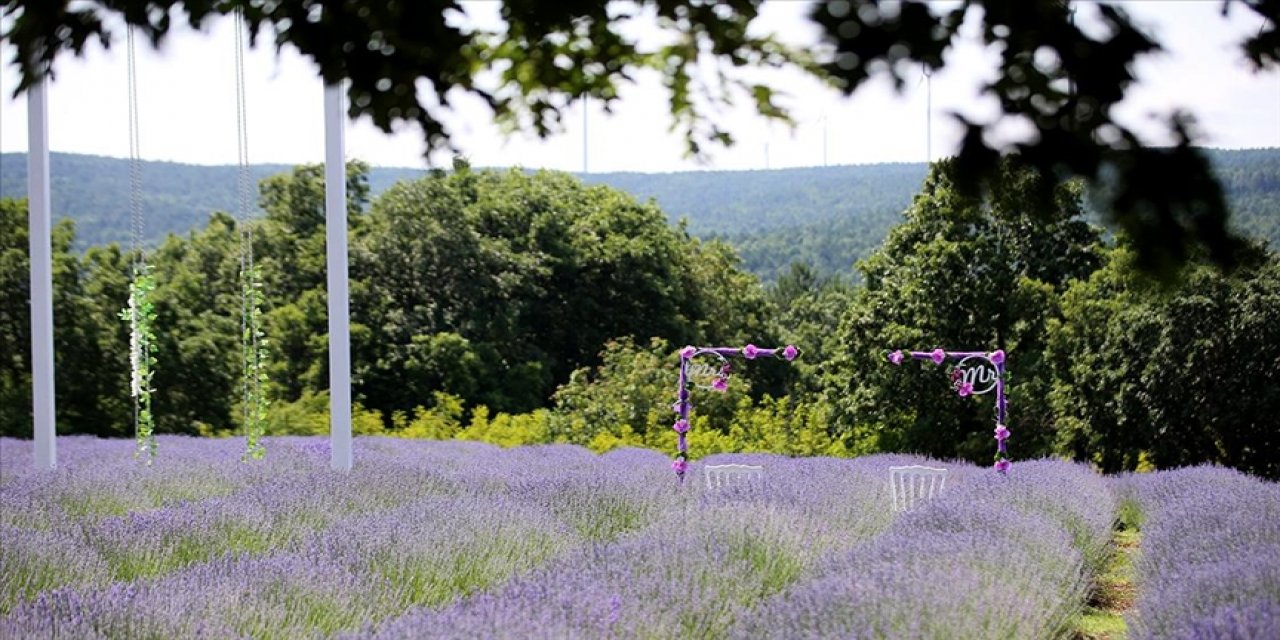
<point>40,232</point>
<point>335,207</point>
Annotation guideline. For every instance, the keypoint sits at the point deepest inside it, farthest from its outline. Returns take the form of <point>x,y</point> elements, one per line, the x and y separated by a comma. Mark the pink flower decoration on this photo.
<point>688,352</point>
<point>1002,433</point>
<point>996,357</point>
<point>790,352</point>
<point>896,357</point>
<point>680,466</point>
<point>750,351</point>
<point>938,355</point>
<point>1003,465</point>
<point>964,389</point>
<point>678,406</point>
<point>681,426</point>
<point>720,384</point>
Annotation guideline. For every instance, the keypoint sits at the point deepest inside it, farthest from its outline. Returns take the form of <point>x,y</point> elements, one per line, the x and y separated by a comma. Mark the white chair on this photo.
<point>727,475</point>
<point>909,485</point>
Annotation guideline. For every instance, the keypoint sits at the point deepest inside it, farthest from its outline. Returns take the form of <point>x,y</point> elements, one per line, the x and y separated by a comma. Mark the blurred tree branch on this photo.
<point>407,61</point>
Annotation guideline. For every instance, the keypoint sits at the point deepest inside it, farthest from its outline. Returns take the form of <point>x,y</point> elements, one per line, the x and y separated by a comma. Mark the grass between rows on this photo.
<point>1115,589</point>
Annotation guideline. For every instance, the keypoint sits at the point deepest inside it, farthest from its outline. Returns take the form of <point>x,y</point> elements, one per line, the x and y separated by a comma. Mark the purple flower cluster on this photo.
<point>700,562</point>
<point>463,540</point>
<point>993,557</point>
<point>1210,560</point>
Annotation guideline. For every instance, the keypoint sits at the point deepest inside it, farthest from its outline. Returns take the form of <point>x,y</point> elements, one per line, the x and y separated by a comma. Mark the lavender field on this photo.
<point>465,540</point>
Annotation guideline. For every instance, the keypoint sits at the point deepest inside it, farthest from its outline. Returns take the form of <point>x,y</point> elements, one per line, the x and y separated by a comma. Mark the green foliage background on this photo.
<point>519,308</point>
<point>824,217</point>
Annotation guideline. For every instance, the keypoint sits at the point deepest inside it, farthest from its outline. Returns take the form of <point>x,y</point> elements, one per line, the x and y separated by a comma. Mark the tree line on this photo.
<point>524,308</point>
<point>825,217</point>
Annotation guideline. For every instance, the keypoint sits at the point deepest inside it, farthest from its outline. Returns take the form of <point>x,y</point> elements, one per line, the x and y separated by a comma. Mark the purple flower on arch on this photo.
<point>750,352</point>
<point>964,389</point>
<point>720,384</point>
<point>688,352</point>
<point>680,466</point>
<point>680,406</point>
<point>996,357</point>
<point>681,426</point>
<point>790,352</point>
<point>1002,433</point>
<point>1003,465</point>
<point>896,357</point>
<point>938,355</point>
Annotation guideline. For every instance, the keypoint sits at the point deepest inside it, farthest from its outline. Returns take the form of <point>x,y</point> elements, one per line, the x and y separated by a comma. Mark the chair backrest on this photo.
<point>909,485</point>
<point>727,475</point>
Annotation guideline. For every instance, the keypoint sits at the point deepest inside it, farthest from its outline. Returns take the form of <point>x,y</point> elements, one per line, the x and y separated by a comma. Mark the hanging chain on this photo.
<point>140,312</point>
<point>253,406</point>
<point>928,114</point>
<point>135,156</point>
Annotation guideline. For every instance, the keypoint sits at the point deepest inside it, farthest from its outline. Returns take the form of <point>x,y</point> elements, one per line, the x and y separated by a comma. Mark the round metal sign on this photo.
<point>709,370</point>
<point>978,371</point>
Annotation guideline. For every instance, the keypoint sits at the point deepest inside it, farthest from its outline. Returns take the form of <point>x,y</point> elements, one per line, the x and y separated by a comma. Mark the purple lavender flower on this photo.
<point>1209,566</point>
<point>996,357</point>
<point>1002,433</point>
<point>750,351</point>
<point>681,426</point>
<point>896,357</point>
<point>790,352</point>
<point>1003,465</point>
<point>720,384</point>
<point>964,389</point>
<point>680,466</point>
<point>688,352</point>
<point>938,356</point>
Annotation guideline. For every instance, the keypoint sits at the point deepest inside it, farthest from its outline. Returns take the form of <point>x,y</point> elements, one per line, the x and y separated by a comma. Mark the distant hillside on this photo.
<point>1251,180</point>
<point>740,202</point>
<point>825,216</point>
<point>94,191</point>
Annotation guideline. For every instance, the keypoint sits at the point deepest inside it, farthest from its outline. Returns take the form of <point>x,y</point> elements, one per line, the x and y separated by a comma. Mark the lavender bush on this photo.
<point>1210,560</point>
<point>994,557</point>
<point>462,539</point>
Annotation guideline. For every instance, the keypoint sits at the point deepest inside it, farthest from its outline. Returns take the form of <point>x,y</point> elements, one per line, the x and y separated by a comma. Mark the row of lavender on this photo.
<point>995,557</point>
<point>463,539</point>
<point>1209,566</point>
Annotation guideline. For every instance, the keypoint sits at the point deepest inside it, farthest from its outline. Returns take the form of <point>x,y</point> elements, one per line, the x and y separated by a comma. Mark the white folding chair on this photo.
<point>727,475</point>
<point>909,485</point>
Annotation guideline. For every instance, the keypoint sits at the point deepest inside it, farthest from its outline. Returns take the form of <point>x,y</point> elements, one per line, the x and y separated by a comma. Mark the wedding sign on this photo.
<point>975,373</point>
<point>709,368</point>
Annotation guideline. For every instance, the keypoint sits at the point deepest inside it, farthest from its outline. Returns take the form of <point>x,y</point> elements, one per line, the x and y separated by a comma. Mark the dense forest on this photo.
<point>825,217</point>
<point>518,307</point>
<point>94,192</point>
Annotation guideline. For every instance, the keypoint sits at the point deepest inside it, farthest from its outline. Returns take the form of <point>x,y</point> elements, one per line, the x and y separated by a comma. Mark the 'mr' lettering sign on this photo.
<point>706,370</point>
<point>979,372</point>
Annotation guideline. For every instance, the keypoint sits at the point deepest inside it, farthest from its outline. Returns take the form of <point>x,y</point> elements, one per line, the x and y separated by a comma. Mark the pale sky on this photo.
<point>187,96</point>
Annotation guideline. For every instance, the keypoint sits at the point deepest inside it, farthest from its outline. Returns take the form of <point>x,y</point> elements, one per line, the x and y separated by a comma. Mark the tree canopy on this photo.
<point>965,274</point>
<point>406,60</point>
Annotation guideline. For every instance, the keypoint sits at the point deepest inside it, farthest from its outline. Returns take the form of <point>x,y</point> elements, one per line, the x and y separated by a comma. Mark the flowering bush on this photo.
<point>463,539</point>
<point>1210,561</point>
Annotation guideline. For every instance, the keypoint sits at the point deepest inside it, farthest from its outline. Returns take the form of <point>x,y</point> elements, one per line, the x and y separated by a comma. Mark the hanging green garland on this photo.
<point>141,316</point>
<point>253,347</point>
